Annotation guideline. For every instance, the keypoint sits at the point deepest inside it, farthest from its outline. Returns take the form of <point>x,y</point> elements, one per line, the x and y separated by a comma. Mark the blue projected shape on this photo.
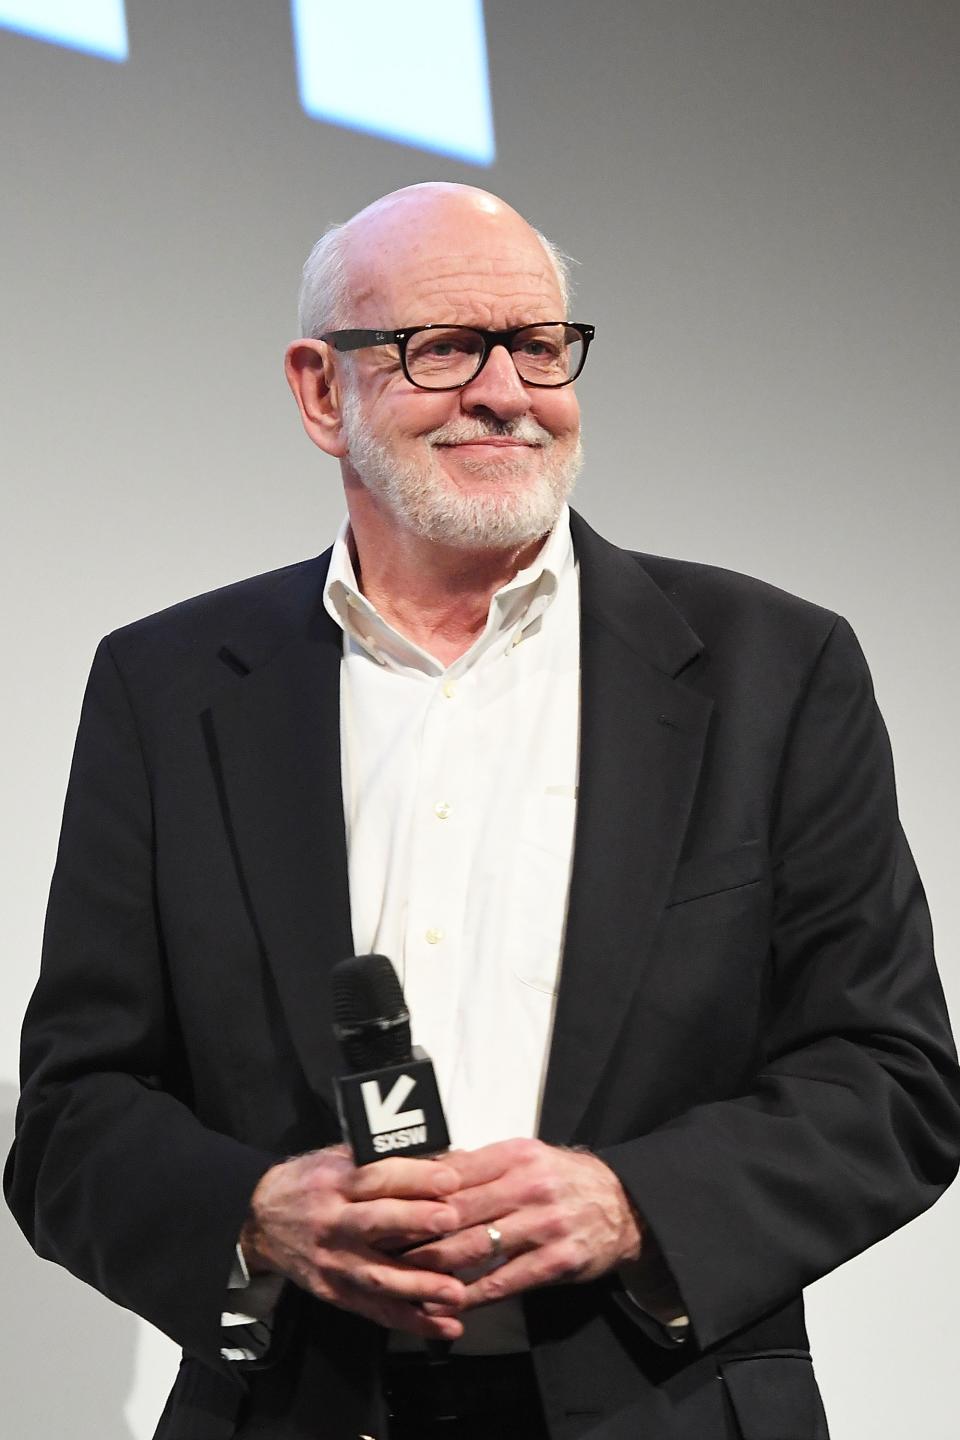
<point>410,70</point>
<point>97,26</point>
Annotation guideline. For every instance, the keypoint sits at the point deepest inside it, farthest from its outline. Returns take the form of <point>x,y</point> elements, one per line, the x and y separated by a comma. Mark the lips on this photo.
<point>492,442</point>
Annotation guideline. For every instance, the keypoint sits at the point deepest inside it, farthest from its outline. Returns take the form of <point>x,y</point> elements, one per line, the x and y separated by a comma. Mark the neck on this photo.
<point>436,595</point>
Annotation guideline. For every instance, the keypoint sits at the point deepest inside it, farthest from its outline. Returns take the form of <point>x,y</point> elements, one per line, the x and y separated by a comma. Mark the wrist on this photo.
<point>630,1224</point>
<point>251,1237</point>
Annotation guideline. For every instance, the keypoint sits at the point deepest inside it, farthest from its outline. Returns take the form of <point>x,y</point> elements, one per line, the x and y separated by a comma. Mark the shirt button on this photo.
<point>442,809</point>
<point>449,690</point>
<point>433,937</point>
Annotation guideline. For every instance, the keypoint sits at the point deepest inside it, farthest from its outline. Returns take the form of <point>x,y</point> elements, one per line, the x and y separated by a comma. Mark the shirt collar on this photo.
<point>516,609</point>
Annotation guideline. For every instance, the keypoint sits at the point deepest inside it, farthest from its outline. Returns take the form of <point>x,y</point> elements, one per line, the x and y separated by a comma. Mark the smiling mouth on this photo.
<point>490,442</point>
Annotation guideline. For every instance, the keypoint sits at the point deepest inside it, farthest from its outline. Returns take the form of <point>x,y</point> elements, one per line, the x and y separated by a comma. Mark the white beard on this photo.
<point>424,500</point>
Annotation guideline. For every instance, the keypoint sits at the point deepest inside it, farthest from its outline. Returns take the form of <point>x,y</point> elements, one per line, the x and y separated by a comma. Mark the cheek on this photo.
<point>559,413</point>
<point>410,415</point>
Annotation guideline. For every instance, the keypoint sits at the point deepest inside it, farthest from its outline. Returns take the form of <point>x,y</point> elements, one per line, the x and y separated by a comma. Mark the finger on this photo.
<point>524,1272</point>
<point>505,1176</point>
<point>476,1167</point>
<point>468,1249</point>
<point>402,1179</point>
<point>398,1222</point>
<point>398,1315</point>
<point>392,1280</point>
<point>486,1204</point>
<point>430,1327</point>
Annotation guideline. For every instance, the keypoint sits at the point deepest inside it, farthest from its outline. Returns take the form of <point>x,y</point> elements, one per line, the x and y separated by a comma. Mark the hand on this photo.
<point>330,1227</point>
<point>562,1215</point>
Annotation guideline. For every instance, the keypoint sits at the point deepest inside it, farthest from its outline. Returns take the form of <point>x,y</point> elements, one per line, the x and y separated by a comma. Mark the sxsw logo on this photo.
<point>377,1116</point>
<point>391,1127</point>
<point>414,71</point>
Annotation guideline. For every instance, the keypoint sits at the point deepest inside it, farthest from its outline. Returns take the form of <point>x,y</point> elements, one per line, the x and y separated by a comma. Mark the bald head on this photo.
<point>436,227</point>
<point>434,197</point>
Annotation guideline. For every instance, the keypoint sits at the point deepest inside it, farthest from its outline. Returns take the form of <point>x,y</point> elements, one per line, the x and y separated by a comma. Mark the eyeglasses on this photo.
<point>447,357</point>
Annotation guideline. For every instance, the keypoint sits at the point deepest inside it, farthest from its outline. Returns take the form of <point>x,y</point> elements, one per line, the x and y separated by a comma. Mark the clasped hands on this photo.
<point>400,1241</point>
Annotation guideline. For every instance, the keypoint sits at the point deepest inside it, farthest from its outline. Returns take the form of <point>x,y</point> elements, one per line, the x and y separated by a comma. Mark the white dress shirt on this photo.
<point>460,800</point>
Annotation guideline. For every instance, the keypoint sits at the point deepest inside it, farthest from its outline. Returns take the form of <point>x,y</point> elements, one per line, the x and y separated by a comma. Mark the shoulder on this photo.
<point>762,646</point>
<point>718,611</point>
<point>711,597</point>
<point>195,647</point>
<point>752,631</point>
<point>278,599</point>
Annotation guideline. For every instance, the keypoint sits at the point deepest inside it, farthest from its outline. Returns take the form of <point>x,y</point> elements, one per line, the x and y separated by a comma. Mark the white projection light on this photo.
<point>410,70</point>
<point>97,26</point>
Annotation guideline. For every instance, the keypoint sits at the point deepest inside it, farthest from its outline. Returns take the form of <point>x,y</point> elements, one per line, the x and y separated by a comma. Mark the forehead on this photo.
<point>493,277</point>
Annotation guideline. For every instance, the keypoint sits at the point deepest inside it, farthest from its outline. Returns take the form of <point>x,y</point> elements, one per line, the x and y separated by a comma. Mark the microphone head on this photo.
<point>370,1015</point>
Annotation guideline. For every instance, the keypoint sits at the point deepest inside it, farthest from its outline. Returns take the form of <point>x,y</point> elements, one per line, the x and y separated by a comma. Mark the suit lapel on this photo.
<point>276,745</point>
<point>641,743</point>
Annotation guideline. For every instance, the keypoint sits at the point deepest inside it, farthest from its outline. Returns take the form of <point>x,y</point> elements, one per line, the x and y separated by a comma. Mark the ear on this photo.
<point>312,376</point>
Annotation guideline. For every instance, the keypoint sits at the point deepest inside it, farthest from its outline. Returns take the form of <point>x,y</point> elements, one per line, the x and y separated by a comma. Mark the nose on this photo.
<point>497,389</point>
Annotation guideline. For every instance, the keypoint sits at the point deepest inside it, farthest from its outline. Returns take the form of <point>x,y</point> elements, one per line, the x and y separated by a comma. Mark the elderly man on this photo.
<point>627,828</point>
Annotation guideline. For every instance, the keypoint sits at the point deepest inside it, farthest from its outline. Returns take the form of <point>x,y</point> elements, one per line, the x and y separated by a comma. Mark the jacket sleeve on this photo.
<point>111,1175</point>
<point>851,1123</point>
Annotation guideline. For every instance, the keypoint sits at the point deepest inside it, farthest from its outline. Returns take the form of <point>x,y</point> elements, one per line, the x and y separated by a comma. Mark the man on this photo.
<point>478,738</point>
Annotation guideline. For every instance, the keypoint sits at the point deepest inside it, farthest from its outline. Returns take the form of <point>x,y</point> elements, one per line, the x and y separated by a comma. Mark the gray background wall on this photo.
<point>764,198</point>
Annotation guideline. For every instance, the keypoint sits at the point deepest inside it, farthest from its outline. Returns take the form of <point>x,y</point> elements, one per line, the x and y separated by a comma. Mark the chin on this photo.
<point>517,471</point>
<point>480,517</point>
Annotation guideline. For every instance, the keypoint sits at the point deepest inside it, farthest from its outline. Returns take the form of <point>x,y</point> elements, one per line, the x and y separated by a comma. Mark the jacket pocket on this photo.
<point>774,1397</point>
<point>704,875</point>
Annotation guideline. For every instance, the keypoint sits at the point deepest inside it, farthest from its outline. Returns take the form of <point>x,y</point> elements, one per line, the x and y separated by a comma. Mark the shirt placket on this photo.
<point>441,839</point>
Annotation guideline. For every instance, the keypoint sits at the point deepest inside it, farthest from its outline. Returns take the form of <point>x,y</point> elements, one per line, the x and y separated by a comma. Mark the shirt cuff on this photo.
<point>650,1288</point>
<point>239,1273</point>
<point>250,1326</point>
<point>663,1309</point>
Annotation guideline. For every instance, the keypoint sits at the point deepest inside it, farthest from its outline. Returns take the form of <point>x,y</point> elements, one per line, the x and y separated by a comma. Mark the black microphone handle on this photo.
<point>390,1103</point>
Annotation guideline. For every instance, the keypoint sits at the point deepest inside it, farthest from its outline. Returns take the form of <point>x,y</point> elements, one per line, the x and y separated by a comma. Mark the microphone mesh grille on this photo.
<point>370,1017</point>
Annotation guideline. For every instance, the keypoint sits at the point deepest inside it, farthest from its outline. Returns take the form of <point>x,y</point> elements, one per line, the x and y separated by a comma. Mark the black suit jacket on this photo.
<point>749,1029</point>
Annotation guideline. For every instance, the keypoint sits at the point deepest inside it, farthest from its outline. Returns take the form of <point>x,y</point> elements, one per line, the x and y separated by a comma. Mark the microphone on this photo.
<point>389,1102</point>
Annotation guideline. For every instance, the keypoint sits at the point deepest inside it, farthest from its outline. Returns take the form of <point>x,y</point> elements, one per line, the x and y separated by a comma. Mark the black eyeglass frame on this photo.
<point>366,339</point>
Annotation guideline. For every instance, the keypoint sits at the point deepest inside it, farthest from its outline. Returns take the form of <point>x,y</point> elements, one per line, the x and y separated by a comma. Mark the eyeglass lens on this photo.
<point>543,355</point>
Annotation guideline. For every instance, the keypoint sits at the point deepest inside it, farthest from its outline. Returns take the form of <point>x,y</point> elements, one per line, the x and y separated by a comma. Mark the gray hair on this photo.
<point>324,302</point>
